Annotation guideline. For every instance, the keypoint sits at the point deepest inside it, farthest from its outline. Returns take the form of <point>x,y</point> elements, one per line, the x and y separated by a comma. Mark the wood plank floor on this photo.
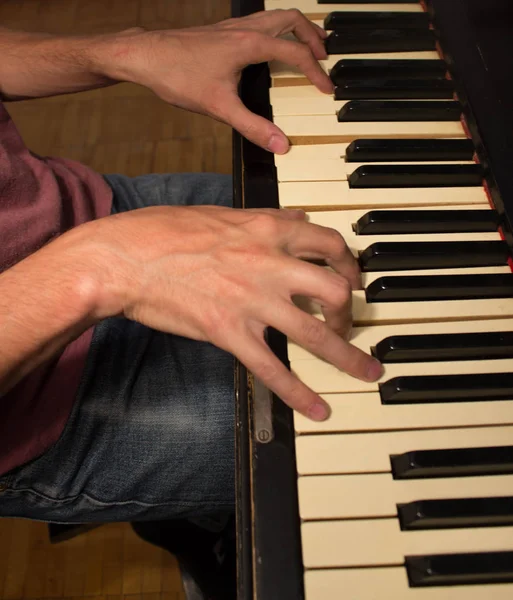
<point>110,562</point>
<point>123,129</point>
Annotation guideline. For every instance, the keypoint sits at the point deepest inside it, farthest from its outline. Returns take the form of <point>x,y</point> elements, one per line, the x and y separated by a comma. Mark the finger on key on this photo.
<point>330,290</point>
<point>296,54</point>
<point>322,32</point>
<point>310,241</point>
<point>256,355</point>
<point>316,337</point>
<point>339,314</point>
<point>308,33</point>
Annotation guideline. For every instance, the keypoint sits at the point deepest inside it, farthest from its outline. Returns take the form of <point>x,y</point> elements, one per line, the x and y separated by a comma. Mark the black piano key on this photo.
<point>367,40</point>
<point>420,288</point>
<point>487,345</point>
<point>400,110</point>
<point>460,569</point>
<point>428,389</point>
<point>402,256</point>
<point>391,150</point>
<point>451,514</point>
<point>383,89</point>
<point>453,462</point>
<point>350,68</point>
<point>387,222</point>
<point>343,19</point>
<point>400,176</point>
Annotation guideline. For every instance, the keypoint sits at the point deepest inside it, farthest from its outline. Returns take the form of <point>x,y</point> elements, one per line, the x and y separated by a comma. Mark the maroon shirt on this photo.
<point>40,198</point>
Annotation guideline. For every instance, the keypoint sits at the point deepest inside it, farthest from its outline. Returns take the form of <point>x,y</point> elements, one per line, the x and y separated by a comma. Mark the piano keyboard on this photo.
<point>406,491</point>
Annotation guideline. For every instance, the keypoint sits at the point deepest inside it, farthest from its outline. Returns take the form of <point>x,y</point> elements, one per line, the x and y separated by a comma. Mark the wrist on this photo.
<point>113,56</point>
<point>96,278</point>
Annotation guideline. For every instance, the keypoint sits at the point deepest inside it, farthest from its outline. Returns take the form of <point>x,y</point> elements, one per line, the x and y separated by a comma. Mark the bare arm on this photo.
<point>38,64</point>
<point>196,69</point>
<point>207,273</point>
<point>46,301</point>
<point>179,269</point>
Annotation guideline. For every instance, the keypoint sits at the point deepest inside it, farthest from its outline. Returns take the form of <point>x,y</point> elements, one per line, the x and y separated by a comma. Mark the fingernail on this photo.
<point>318,412</point>
<point>375,370</point>
<point>278,144</point>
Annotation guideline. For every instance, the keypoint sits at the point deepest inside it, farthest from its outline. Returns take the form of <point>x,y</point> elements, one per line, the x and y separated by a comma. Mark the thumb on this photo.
<point>256,129</point>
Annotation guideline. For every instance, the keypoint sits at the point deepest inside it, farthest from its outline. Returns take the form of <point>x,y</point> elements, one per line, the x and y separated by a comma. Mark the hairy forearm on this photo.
<point>38,64</point>
<point>46,301</point>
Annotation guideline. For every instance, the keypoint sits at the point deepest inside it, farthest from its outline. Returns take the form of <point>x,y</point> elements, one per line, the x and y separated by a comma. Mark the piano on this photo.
<point>406,491</point>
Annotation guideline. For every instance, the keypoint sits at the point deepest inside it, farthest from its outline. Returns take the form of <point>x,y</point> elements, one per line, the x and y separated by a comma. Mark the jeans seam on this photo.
<point>72,499</point>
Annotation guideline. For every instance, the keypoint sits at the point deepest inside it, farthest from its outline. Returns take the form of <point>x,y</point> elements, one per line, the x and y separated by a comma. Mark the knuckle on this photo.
<point>218,322</point>
<point>296,396</point>
<point>267,372</point>
<point>296,14</point>
<point>267,225</point>
<point>341,291</point>
<point>338,243</point>
<point>216,100</point>
<point>247,38</point>
<point>137,29</point>
<point>314,333</point>
<point>304,54</point>
<point>250,130</point>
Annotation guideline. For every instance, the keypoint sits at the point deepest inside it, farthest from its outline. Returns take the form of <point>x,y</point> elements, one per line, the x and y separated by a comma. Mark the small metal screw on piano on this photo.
<point>262,411</point>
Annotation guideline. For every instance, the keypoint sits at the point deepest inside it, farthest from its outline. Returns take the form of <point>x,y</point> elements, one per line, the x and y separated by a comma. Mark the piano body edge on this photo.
<point>270,555</point>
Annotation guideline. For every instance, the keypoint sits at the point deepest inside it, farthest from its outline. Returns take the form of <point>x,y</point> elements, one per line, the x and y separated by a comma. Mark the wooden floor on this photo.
<point>110,562</point>
<point>124,129</point>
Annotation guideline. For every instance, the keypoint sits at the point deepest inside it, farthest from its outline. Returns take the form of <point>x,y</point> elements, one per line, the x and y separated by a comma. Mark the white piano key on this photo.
<point>381,542</point>
<point>368,278</point>
<point>327,379</point>
<point>321,105</point>
<point>311,152</point>
<point>382,313</point>
<point>314,152</point>
<point>296,92</point>
<point>285,75</point>
<point>336,169</point>
<point>389,583</point>
<point>360,412</point>
<point>367,337</point>
<point>305,100</point>
<point>310,102</point>
<point>377,495</point>
<point>323,129</point>
<point>370,452</point>
<point>440,310</point>
<point>337,195</point>
<point>356,243</point>
<point>343,222</point>
<point>318,11</point>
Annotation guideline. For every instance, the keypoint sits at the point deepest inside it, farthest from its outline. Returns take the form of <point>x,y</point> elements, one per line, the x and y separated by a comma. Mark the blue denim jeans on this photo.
<point>151,435</point>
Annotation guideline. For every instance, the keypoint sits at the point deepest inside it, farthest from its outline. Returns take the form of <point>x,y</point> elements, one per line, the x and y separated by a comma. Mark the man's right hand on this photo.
<point>199,68</point>
<point>223,275</point>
